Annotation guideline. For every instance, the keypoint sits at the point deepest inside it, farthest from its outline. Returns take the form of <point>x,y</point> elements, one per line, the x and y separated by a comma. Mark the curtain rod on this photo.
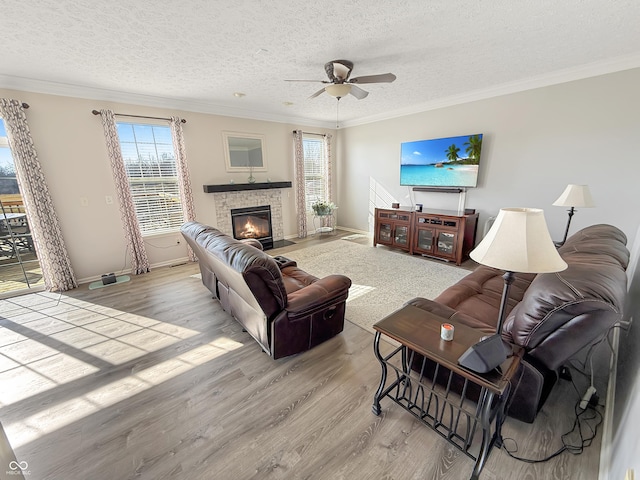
<point>96,112</point>
<point>311,133</point>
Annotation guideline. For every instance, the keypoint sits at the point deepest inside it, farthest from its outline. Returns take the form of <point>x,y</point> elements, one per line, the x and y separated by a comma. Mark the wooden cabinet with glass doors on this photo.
<point>393,228</point>
<point>437,233</point>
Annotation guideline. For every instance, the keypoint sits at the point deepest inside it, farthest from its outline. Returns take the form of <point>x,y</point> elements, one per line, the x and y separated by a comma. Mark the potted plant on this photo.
<point>322,208</point>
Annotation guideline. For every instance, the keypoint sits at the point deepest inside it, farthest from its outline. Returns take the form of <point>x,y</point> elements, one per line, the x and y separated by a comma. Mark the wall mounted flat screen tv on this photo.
<point>441,162</point>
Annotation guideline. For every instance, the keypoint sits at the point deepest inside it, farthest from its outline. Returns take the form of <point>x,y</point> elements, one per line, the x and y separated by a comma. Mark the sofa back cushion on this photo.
<point>190,231</point>
<point>563,312</point>
<point>258,273</point>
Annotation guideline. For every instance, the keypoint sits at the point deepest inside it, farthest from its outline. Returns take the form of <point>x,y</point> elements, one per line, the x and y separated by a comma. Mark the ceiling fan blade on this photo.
<point>317,93</point>
<point>358,92</point>
<point>381,78</point>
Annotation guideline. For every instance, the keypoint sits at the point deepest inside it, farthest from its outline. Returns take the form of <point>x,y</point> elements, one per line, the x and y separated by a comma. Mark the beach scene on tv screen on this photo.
<point>441,162</point>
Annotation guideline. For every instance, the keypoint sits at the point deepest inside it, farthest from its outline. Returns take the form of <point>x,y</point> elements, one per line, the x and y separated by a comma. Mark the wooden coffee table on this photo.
<point>436,389</point>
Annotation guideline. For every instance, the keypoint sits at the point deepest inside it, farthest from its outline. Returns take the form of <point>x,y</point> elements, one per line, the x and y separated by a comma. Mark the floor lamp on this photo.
<point>518,241</point>
<point>573,196</point>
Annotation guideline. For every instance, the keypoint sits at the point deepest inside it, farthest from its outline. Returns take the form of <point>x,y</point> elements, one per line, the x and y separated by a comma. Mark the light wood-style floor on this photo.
<point>14,278</point>
<point>150,379</point>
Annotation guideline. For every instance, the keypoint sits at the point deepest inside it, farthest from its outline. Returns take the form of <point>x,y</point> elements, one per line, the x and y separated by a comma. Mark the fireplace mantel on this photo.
<point>236,187</point>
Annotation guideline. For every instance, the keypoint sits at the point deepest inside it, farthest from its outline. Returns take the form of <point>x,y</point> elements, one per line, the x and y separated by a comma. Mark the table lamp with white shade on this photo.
<point>518,241</point>
<point>573,196</point>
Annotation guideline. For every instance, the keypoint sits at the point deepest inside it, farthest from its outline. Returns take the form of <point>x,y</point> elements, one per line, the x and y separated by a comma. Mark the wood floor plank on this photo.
<point>150,379</point>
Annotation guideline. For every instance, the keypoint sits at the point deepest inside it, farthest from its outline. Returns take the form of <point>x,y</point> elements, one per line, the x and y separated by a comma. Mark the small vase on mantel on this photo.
<point>251,178</point>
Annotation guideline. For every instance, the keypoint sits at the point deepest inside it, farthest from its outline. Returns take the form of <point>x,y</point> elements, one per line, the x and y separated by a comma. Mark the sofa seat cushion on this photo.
<point>478,295</point>
<point>294,279</point>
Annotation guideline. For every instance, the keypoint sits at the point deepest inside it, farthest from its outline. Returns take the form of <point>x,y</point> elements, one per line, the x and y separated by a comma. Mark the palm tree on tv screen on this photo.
<point>452,153</point>
<point>474,145</point>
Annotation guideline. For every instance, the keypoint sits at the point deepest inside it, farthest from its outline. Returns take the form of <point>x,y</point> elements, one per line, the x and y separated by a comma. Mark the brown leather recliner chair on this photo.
<point>285,309</point>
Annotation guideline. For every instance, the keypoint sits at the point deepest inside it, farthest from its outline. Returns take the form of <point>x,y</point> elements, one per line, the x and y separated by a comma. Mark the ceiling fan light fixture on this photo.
<point>338,90</point>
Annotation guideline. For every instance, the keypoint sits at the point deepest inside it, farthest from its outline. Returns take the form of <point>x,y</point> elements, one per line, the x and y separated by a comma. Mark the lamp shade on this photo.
<point>338,89</point>
<point>519,241</point>
<point>575,196</point>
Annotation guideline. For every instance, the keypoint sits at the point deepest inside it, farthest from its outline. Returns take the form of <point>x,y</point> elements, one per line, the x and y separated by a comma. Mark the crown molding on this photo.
<point>100,94</point>
<point>594,69</point>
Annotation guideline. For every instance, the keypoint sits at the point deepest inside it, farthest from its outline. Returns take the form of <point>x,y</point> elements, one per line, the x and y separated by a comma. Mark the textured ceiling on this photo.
<point>194,54</point>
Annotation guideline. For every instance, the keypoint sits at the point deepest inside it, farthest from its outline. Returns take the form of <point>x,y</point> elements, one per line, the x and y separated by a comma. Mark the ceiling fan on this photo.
<point>339,83</point>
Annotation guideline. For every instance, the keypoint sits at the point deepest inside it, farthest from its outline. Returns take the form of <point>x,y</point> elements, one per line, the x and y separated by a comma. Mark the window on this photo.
<point>19,267</point>
<point>8,182</point>
<point>150,164</point>
<point>315,170</point>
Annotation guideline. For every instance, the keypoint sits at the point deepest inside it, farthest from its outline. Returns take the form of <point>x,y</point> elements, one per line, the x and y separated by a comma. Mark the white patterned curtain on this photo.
<point>139,260</point>
<point>301,202</point>
<point>327,149</point>
<point>41,215</point>
<point>184,181</point>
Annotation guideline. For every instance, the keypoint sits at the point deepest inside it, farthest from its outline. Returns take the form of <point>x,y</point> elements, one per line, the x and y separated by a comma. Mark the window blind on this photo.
<point>4,141</point>
<point>315,171</point>
<point>150,164</point>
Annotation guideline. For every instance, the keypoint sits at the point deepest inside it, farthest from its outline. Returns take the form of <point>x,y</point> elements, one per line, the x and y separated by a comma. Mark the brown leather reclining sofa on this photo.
<point>553,316</point>
<point>285,309</point>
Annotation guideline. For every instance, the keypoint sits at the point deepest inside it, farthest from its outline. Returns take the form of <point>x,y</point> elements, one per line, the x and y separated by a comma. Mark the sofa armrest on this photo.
<point>318,294</point>
<point>284,262</point>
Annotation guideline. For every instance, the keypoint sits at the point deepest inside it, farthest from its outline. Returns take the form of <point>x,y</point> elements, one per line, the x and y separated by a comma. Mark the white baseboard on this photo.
<point>346,229</point>
<point>354,230</point>
<point>127,271</point>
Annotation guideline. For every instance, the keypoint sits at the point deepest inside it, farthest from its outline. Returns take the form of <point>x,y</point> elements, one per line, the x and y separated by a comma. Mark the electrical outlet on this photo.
<point>565,373</point>
<point>108,200</point>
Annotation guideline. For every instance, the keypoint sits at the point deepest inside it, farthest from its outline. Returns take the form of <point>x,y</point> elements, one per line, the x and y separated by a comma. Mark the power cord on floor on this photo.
<point>585,430</point>
<point>585,425</point>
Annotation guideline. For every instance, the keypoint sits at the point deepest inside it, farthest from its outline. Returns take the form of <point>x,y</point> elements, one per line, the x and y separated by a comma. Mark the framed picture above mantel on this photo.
<point>244,152</point>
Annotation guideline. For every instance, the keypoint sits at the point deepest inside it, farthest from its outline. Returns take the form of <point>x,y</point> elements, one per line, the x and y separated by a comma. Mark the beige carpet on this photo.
<point>383,279</point>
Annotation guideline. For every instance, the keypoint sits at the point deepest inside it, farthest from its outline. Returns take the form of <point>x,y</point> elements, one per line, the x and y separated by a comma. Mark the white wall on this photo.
<point>71,148</point>
<point>535,143</point>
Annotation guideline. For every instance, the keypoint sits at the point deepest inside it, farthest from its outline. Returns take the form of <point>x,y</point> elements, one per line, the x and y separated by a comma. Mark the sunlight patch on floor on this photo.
<point>65,341</point>
<point>65,413</point>
<point>357,291</point>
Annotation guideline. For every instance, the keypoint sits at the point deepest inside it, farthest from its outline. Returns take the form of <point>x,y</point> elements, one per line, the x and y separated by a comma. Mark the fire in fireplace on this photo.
<point>253,222</point>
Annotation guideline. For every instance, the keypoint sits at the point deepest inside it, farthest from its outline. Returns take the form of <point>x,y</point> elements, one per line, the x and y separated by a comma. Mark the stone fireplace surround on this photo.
<point>225,201</point>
